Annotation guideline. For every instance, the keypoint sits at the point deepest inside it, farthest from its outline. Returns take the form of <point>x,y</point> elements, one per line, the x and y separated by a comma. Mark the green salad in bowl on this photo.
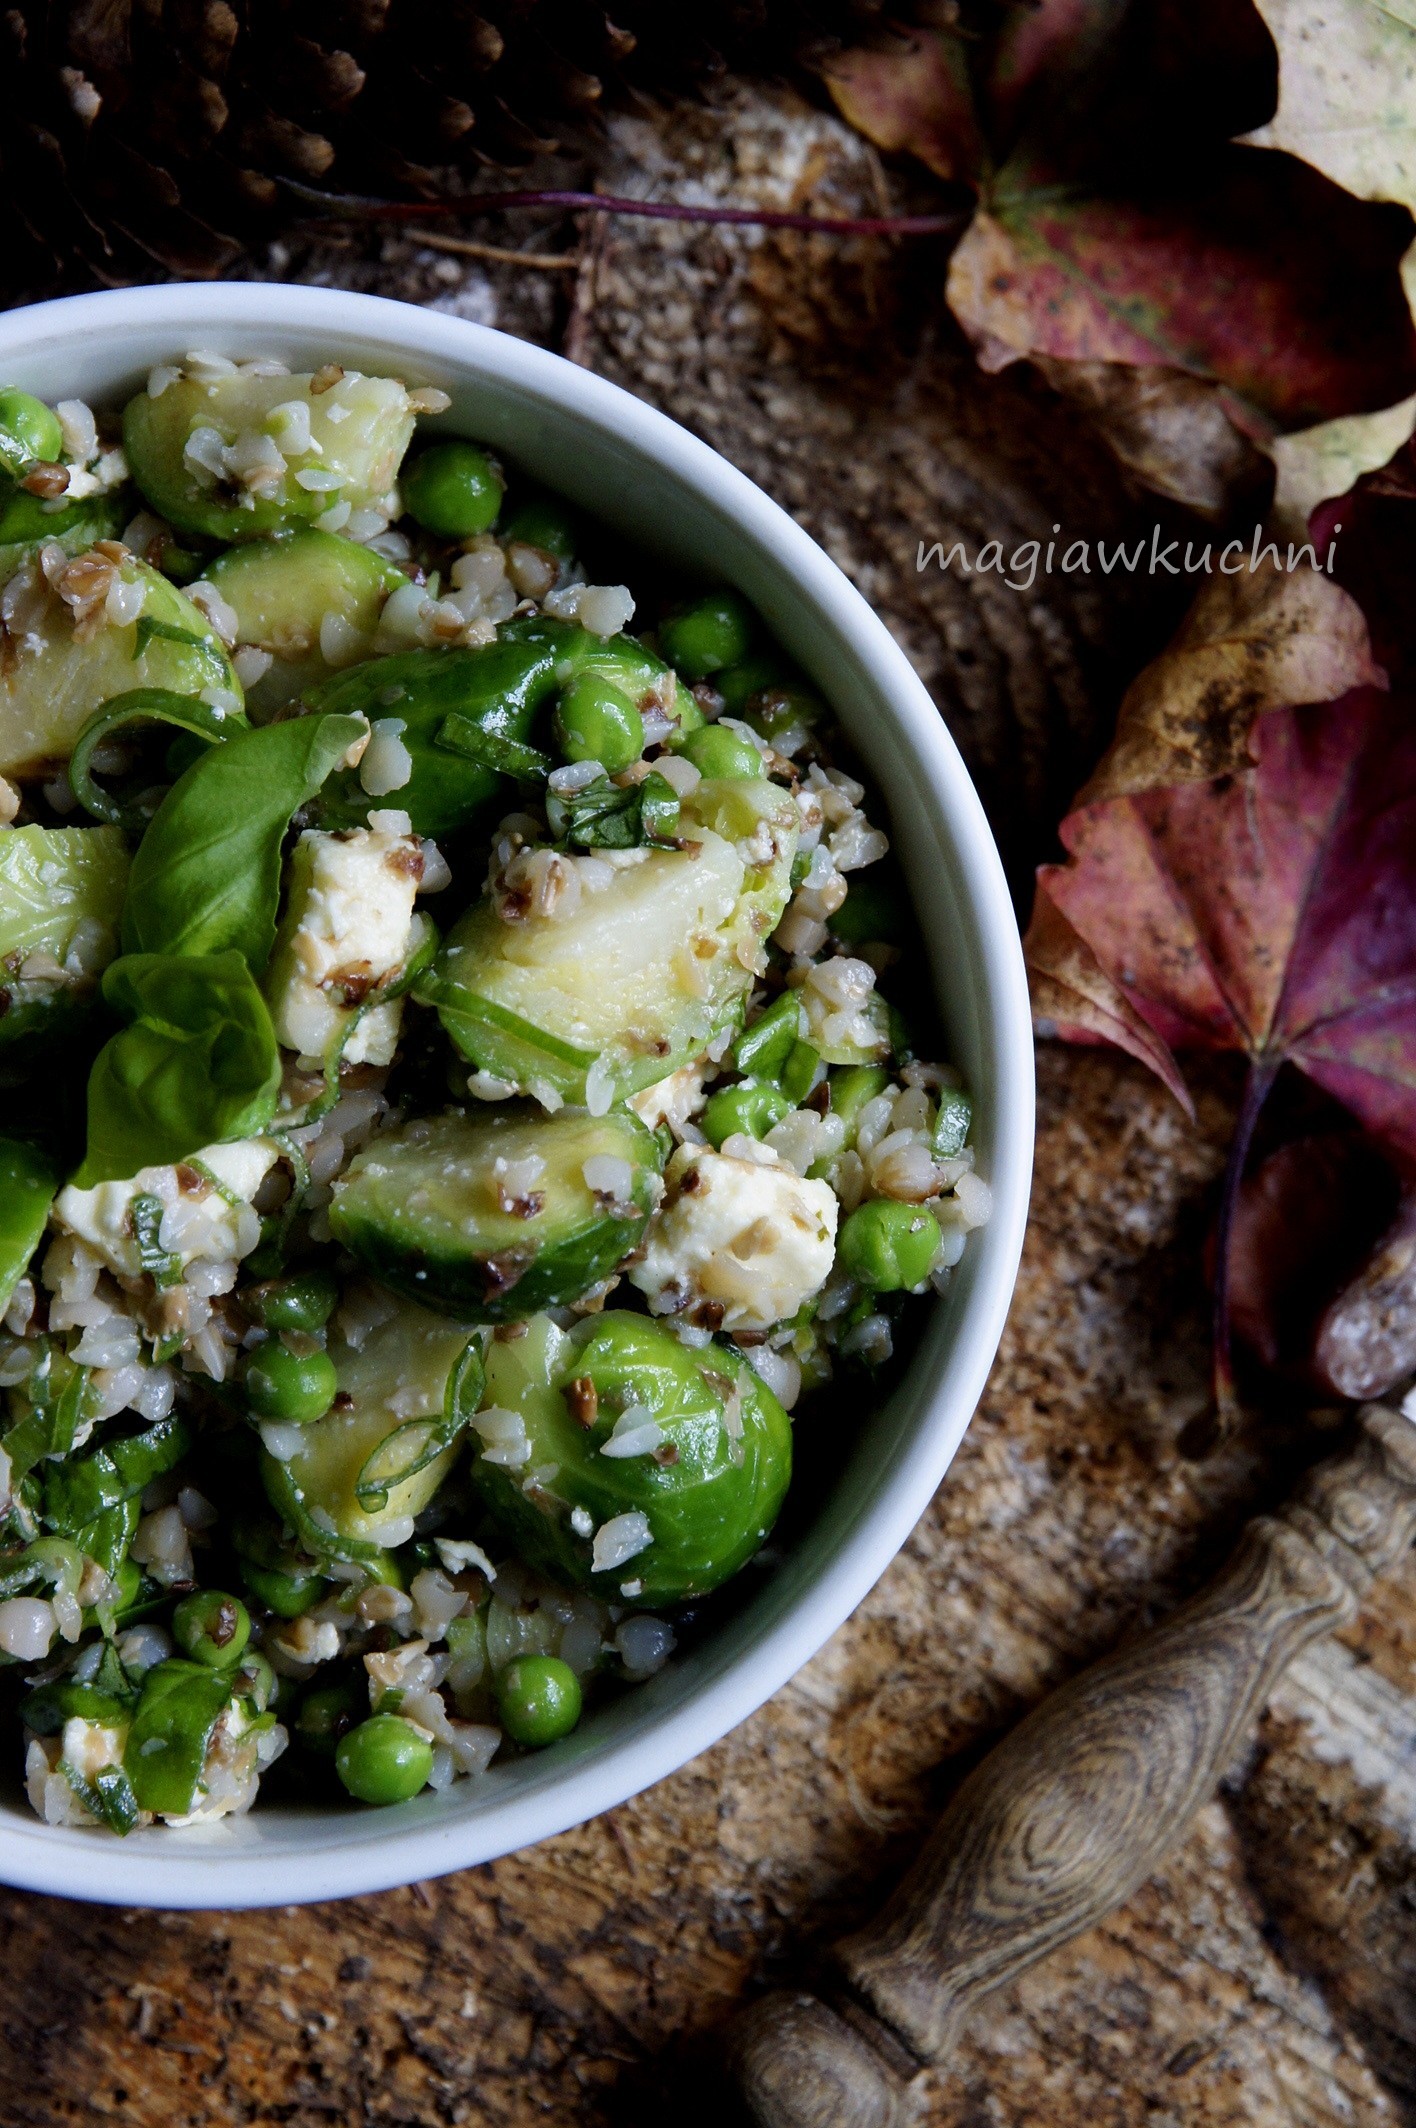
<point>461,1115</point>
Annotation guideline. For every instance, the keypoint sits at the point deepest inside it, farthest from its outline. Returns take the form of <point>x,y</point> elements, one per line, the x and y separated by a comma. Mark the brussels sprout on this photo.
<point>61,897</point>
<point>62,672</point>
<point>237,456</point>
<point>493,1215</point>
<point>643,975</point>
<point>349,1483</point>
<point>282,589</point>
<point>27,523</point>
<point>707,1469</point>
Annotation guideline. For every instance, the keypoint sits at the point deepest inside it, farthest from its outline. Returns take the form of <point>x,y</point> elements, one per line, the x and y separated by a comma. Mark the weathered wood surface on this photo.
<point>1267,1974</point>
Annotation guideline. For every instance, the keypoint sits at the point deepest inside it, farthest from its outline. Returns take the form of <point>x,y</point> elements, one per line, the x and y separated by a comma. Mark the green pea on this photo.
<point>596,721</point>
<point>851,1088</point>
<point>889,1247</point>
<point>28,430</point>
<point>284,1384</point>
<point>541,522</point>
<point>288,1595</point>
<point>383,1760</point>
<point>453,489</point>
<point>739,683</point>
<point>305,1301</point>
<point>212,1628</point>
<point>538,1697</point>
<point>715,752</point>
<point>710,635</point>
<point>873,909</point>
<point>327,1714</point>
<point>751,1107</point>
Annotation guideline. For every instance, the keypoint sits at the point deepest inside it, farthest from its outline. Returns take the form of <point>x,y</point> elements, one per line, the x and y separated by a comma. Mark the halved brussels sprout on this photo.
<point>239,455</point>
<point>495,1214</point>
<point>122,626</point>
<point>283,588</point>
<point>350,1483</point>
<point>637,980</point>
<point>61,897</point>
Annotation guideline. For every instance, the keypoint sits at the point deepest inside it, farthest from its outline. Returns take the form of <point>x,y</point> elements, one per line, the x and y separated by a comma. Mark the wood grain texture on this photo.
<point>1085,1798</point>
<point>1262,1977</point>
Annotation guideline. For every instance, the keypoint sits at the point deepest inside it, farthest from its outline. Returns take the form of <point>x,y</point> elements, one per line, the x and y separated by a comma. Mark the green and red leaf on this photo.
<point>1261,275</point>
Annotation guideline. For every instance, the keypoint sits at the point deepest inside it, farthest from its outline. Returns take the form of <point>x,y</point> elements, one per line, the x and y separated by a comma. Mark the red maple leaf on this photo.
<point>1271,912</point>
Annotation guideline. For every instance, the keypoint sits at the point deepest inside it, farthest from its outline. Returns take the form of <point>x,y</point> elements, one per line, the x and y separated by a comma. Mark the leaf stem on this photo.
<point>344,206</point>
<point>1256,1091</point>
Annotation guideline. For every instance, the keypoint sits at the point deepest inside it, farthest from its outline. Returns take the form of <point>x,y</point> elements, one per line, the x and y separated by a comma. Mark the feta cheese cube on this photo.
<point>736,1244</point>
<point>199,1220</point>
<point>347,928</point>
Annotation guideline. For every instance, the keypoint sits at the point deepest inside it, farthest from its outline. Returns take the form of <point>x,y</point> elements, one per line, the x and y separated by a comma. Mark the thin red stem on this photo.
<point>346,207</point>
<point>1256,1092</point>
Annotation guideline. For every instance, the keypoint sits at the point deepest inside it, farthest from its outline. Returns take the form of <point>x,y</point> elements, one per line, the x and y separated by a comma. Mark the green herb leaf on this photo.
<point>53,1402</point>
<point>198,1063</point>
<point>489,749</point>
<point>105,1540</point>
<point>109,1795</point>
<point>48,1707</point>
<point>143,705</point>
<point>207,874</point>
<point>163,1266</point>
<point>167,1744</point>
<point>604,817</point>
<point>147,627</point>
<point>81,1488</point>
<point>27,1186</point>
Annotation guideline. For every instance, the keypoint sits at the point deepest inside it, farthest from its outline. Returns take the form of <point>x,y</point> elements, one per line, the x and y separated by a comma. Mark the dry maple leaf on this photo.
<point>1375,556</point>
<point>1273,912</point>
<point>1121,229</point>
<point>1241,868</point>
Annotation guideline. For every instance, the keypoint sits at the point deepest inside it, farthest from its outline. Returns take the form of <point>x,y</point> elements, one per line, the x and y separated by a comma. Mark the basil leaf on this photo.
<point>460,735</point>
<point>164,1266</point>
<point>48,1707</point>
<point>198,1063</point>
<point>106,1539</point>
<point>56,1393</point>
<point>142,705</point>
<point>108,1795</point>
<point>497,691</point>
<point>167,1744</point>
<point>81,1488</point>
<point>27,1186</point>
<point>604,817</point>
<point>207,874</point>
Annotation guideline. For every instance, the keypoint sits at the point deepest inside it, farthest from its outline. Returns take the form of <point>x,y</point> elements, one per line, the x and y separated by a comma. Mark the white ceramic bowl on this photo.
<point>643,474</point>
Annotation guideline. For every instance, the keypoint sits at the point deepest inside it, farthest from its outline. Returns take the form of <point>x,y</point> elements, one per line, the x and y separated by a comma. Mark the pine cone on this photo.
<point>168,134</point>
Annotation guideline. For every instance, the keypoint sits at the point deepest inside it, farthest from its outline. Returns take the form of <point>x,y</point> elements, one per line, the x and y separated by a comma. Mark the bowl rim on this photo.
<point>54,1860</point>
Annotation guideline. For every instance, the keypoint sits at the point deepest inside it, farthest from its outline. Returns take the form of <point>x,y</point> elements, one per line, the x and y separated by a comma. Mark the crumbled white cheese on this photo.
<point>347,927</point>
<point>199,1220</point>
<point>755,1241</point>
